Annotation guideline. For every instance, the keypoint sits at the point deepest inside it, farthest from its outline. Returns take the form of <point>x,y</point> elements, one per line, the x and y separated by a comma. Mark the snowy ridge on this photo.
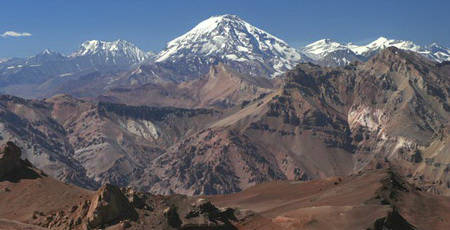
<point>382,43</point>
<point>229,38</point>
<point>437,53</point>
<point>328,52</point>
<point>111,50</point>
<point>321,48</point>
<point>48,52</point>
<point>4,60</point>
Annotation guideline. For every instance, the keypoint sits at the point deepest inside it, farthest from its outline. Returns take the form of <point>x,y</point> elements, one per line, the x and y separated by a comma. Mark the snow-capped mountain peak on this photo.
<point>4,60</point>
<point>435,47</point>
<point>112,50</point>
<point>48,52</point>
<point>437,52</point>
<point>228,38</point>
<point>328,52</point>
<point>382,43</point>
<point>46,55</point>
<point>321,48</point>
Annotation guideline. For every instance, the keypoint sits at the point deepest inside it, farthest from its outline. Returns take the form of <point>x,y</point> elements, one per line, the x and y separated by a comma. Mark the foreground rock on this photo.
<point>109,206</point>
<point>370,199</point>
<point>9,159</point>
<point>200,214</point>
<point>30,199</point>
<point>378,199</point>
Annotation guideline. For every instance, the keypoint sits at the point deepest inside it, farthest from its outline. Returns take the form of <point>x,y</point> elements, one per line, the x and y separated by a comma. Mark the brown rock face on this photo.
<point>9,158</point>
<point>109,206</point>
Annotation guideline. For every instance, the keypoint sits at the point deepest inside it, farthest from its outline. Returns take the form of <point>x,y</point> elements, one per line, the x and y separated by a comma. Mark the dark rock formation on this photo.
<point>9,158</point>
<point>201,215</point>
<point>109,206</point>
<point>393,221</point>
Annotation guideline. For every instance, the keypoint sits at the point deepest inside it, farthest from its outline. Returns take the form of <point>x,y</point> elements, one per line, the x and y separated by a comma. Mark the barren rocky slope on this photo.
<point>373,199</point>
<point>369,199</point>
<point>29,199</point>
<point>86,143</point>
<point>221,88</point>
<point>321,122</point>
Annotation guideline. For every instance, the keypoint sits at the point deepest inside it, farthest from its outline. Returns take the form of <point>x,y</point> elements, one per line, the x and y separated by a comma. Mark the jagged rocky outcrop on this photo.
<point>109,206</point>
<point>9,159</point>
<point>392,221</point>
<point>201,215</point>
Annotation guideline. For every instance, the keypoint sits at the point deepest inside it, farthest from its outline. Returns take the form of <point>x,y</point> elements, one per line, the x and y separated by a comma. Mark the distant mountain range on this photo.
<point>49,70</point>
<point>98,66</point>
<point>331,53</point>
<point>119,53</point>
<point>92,55</point>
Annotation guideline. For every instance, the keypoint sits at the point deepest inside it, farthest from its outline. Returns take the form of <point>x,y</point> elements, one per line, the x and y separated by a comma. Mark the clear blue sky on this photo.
<point>63,25</point>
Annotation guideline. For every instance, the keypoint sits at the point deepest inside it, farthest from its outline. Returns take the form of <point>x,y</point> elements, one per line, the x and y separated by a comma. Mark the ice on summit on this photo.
<point>320,49</point>
<point>382,43</point>
<point>229,38</point>
<point>114,49</point>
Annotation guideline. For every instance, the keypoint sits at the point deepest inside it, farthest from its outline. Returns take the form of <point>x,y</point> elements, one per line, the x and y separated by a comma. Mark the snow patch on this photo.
<point>143,128</point>
<point>364,116</point>
<point>402,143</point>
